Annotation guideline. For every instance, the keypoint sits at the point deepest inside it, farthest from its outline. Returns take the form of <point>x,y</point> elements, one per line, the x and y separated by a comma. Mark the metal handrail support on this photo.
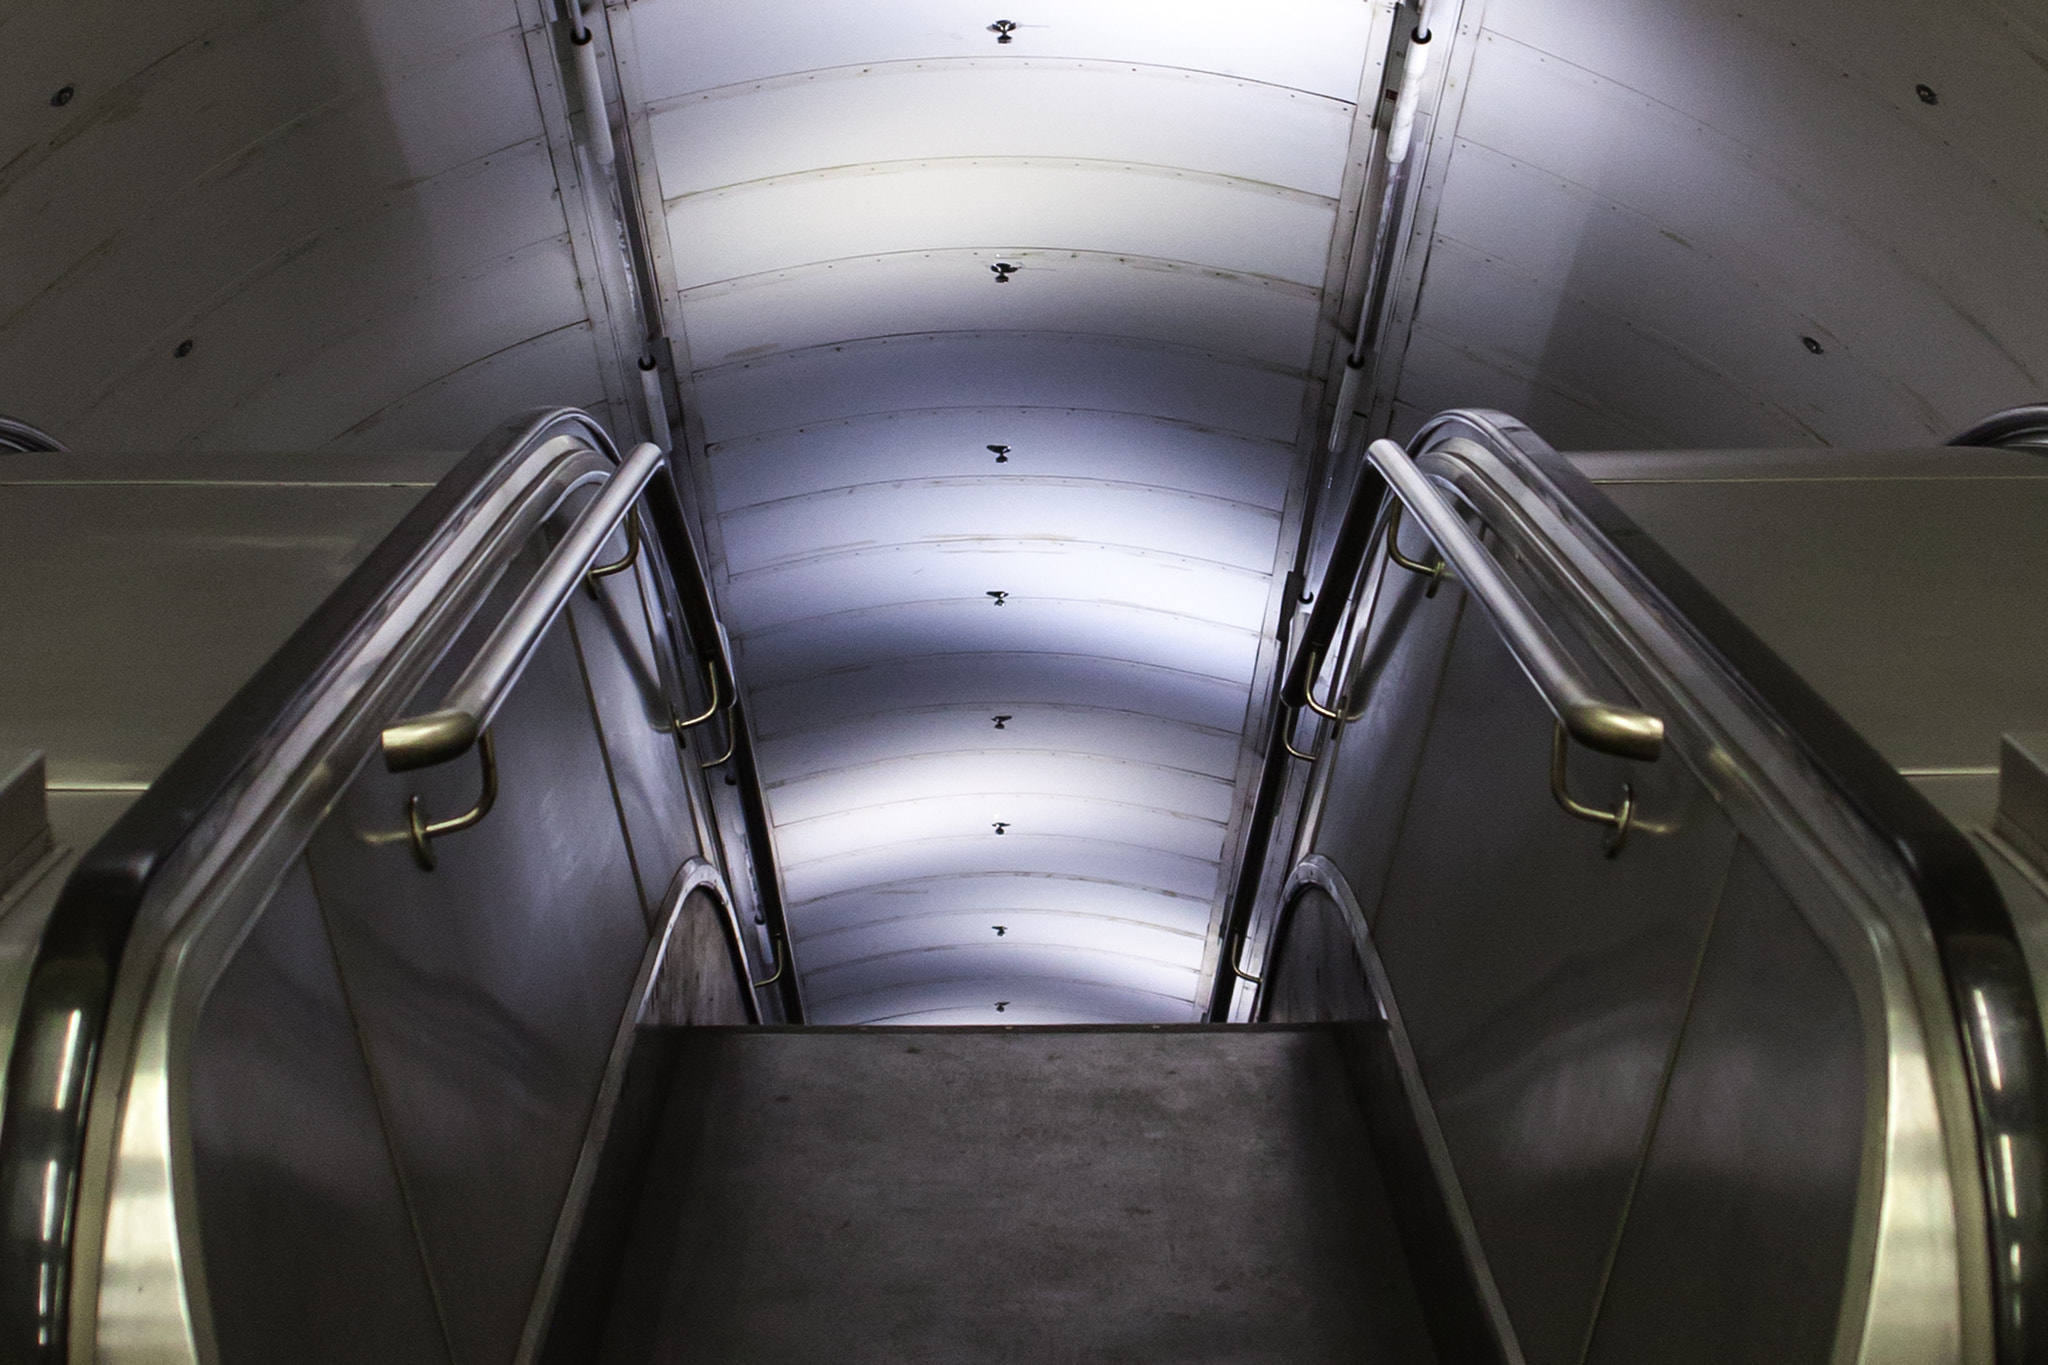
<point>1333,595</point>
<point>438,736</point>
<point>1587,718</point>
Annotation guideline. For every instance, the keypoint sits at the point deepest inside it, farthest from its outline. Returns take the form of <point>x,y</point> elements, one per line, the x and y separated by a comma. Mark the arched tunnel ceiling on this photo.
<point>1637,223</point>
<point>997,548</point>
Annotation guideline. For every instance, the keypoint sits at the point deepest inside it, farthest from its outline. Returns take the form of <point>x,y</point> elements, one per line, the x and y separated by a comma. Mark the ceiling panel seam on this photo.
<point>906,65</point>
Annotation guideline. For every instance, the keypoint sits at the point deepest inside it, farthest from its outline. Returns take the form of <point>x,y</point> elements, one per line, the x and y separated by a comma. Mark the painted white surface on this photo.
<point>1645,208</point>
<point>349,210</point>
<point>1162,188</point>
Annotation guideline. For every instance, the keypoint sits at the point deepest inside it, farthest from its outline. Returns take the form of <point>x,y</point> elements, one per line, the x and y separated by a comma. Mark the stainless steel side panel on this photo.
<point>488,991</point>
<point>132,612</point>
<point>1543,984</point>
<point>630,687</point>
<point>1757,1162</point>
<point>309,1255</point>
<point>1314,973</point>
<point>1371,762</point>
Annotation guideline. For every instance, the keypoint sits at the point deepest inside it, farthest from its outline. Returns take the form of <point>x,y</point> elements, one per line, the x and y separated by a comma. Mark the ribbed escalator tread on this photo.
<point>1011,1194</point>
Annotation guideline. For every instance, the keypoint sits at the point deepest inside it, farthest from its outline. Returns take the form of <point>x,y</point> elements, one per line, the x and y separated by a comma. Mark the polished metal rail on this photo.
<point>1587,718</point>
<point>451,731</point>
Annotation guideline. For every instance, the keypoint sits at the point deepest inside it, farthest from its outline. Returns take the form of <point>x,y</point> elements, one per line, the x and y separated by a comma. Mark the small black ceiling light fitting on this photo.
<point>182,349</point>
<point>1002,1005</point>
<point>1000,929</point>
<point>65,94</point>
<point>999,721</point>
<point>1001,597</point>
<point>1003,270</point>
<point>1004,29</point>
<point>1002,454</point>
<point>1926,94</point>
<point>1813,345</point>
<point>999,826</point>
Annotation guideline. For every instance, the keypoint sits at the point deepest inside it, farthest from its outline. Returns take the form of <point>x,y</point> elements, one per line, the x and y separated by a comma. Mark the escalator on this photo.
<point>1591,988</point>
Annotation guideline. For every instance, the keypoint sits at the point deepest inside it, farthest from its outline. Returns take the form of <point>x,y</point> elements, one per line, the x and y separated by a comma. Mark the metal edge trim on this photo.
<point>65,1009</point>
<point>1972,928</point>
<point>1318,871</point>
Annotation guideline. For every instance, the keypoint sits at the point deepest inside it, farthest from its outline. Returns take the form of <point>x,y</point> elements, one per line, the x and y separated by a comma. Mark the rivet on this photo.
<point>183,349</point>
<point>1926,94</point>
<point>63,96</point>
<point>1812,345</point>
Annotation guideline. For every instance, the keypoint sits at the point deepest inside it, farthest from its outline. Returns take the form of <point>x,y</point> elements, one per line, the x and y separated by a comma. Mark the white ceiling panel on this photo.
<point>1063,930</point>
<point>1034,571</point>
<point>912,111</point>
<point>1042,441</point>
<point>977,853</point>
<point>995,962</point>
<point>1020,630</point>
<point>1054,492</point>
<point>973,772</point>
<point>1000,681</point>
<point>1006,369</point>
<point>1002,203</point>
<point>1715,223</point>
<point>1260,319</point>
<point>692,45</point>
<point>1097,733</point>
<point>973,903</point>
<point>995,507</point>
<point>1009,998</point>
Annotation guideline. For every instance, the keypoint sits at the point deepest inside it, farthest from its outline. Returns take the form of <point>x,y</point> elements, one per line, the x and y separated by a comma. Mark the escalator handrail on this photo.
<point>1592,721</point>
<point>1994,1010</point>
<point>71,983</point>
<point>2021,428</point>
<point>24,438</point>
<point>472,702</point>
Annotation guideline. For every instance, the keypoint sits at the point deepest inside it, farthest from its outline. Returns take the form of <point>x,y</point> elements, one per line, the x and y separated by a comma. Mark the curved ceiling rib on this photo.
<point>1000,361</point>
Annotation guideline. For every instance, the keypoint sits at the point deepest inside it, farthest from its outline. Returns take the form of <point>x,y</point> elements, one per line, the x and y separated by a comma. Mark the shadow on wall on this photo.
<point>240,225</point>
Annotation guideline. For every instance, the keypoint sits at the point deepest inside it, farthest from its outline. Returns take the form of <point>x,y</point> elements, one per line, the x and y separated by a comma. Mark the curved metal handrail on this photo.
<point>449,732</point>
<point>1994,1009</point>
<point>2024,428</point>
<point>52,1072</point>
<point>1589,719</point>
<point>23,438</point>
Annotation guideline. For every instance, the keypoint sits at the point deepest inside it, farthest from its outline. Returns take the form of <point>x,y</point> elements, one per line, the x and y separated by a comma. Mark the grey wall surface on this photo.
<point>1647,1070</point>
<point>351,212</point>
<point>1636,210</point>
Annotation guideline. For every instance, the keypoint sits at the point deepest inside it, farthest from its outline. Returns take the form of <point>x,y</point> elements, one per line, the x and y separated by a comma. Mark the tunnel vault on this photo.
<point>999,351</point>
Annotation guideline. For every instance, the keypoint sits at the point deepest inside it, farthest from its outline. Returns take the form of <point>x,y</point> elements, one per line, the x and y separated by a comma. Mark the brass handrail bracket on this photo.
<point>781,961</point>
<point>1618,820</point>
<point>598,571</point>
<point>1433,572</point>
<point>677,725</point>
<point>424,833</point>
